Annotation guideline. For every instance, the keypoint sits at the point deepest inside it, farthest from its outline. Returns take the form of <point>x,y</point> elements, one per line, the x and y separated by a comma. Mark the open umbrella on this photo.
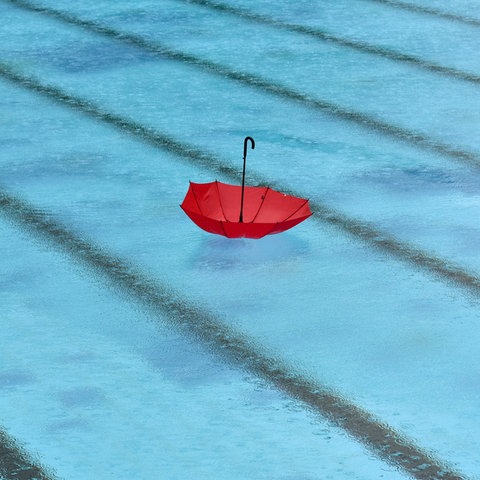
<point>250,212</point>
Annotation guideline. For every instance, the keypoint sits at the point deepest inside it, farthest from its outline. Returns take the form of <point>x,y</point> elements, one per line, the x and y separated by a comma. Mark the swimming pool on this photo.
<point>137,346</point>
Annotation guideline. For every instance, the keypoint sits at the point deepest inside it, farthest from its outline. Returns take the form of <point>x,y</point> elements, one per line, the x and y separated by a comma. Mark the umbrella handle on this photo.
<point>245,143</point>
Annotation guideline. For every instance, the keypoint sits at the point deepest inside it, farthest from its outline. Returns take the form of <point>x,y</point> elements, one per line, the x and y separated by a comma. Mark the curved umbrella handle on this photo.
<point>245,143</point>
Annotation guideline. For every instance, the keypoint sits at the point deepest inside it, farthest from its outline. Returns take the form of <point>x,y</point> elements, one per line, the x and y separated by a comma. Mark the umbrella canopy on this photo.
<point>239,211</point>
<point>215,207</point>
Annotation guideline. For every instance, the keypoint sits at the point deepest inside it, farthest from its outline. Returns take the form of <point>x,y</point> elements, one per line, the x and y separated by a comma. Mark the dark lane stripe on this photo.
<point>359,229</point>
<point>16,464</point>
<point>430,11</point>
<point>229,345</point>
<point>341,41</point>
<point>398,133</point>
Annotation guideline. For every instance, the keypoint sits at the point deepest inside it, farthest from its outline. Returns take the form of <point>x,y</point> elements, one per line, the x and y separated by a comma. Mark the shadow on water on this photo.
<point>185,363</point>
<point>220,253</point>
<point>423,178</point>
<point>15,378</point>
<point>74,57</point>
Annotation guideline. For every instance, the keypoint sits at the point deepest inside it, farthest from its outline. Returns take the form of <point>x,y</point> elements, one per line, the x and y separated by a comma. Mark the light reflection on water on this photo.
<point>219,253</point>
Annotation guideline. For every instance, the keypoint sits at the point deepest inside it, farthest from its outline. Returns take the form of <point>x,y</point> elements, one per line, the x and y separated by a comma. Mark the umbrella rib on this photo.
<point>196,201</point>
<point>261,204</point>
<point>223,211</point>
<point>220,203</point>
<point>223,228</point>
<point>293,213</point>
<point>274,226</point>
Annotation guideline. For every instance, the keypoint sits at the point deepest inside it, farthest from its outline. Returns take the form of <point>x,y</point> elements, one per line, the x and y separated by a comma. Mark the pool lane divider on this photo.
<point>322,35</point>
<point>368,122</point>
<point>17,464</point>
<point>410,7</point>
<point>231,346</point>
<point>323,214</point>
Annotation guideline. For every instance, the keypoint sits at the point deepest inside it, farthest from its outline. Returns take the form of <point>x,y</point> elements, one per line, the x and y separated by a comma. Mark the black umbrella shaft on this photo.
<point>245,142</point>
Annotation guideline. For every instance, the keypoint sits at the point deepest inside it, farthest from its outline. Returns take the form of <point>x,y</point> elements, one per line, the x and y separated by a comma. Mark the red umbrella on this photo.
<point>235,211</point>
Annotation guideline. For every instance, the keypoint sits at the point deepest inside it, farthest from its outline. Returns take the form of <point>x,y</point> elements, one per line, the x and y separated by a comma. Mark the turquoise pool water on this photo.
<point>136,346</point>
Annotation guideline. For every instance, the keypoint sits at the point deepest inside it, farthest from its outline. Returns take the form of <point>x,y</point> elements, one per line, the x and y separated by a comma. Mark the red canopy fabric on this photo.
<point>215,207</point>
